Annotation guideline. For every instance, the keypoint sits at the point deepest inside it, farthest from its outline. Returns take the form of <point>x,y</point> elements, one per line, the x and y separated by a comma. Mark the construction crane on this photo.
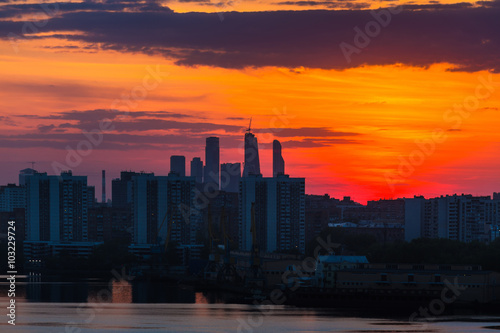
<point>250,125</point>
<point>255,275</point>
<point>227,272</point>
<point>211,270</point>
<point>157,249</point>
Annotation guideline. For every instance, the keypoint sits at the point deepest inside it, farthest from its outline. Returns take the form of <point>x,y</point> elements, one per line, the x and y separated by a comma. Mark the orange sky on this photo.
<point>381,111</point>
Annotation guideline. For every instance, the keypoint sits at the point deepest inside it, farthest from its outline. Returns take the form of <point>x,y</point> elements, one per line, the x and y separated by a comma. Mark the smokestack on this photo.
<point>103,186</point>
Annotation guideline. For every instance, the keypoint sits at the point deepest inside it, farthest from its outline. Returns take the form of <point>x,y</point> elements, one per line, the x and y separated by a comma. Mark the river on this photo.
<point>93,305</point>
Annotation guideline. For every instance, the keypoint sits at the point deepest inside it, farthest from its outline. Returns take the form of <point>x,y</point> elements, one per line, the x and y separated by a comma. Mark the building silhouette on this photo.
<point>464,218</point>
<point>278,161</point>
<point>103,187</point>
<point>56,208</point>
<point>212,160</point>
<point>251,165</point>
<point>163,199</point>
<point>121,189</point>
<point>279,213</point>
<point>12,197</point>
<point>178,165</point>
<point>230,176</point>
<point>25,173</point>
<point>197,169</point>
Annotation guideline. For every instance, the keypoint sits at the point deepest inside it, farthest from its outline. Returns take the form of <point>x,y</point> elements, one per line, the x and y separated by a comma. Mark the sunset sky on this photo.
<point>164,75</point>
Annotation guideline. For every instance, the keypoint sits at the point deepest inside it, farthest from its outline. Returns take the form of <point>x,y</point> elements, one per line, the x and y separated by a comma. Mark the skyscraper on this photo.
<point>178,165</point>
<point>252,164</point>
<point>230,176</point>
<point>197,169</point>
<point>211,171</point>
<point>103,187</point>
<point>278,161</point>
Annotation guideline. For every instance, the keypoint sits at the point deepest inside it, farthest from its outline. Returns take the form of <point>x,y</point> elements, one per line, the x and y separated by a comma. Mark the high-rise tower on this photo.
<point>278,161</point>
<point>197,169</point>
<point>252,163</point>
<point>211,171</point>
<point>230,176</point>
<point>178,165</point>
<point>103,187</point>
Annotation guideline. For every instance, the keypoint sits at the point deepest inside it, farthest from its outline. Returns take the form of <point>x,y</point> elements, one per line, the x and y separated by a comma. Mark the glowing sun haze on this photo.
<point>169,74</point>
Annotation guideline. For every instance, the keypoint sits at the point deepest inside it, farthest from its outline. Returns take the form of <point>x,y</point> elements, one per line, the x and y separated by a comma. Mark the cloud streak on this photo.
<point>157,130</point>
<point>468,38</point>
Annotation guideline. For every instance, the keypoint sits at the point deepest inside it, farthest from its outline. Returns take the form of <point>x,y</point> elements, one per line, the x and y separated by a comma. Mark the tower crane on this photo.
<point>227,272</point>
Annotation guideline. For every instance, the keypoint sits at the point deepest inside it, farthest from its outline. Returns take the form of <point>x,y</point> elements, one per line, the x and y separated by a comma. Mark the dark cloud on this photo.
<point>128,141</point>
<point>99,114</point>
<point>328,4</point>
<point>46,129</point>
<point>131,121</point>
<point>130,131</point>
<point>7,121</point>
<point>469,38</point>
<point>294,39</point>
<point>110,141</point>
<point>436,5</point>
<point>490,4</point>
<point>45,10</point>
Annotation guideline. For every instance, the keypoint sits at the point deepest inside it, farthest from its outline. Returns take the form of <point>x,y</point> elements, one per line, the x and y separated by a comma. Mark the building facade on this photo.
<point>279,213</point>
<point>121,189</point>
<point>230,177</point>
<point>12,197</point>
<point>56,208</point>
<point>252,162</point>
<point>197,169</point>
<point>162,203</point>
<point>178,165</point>
<point>212,162</point>
<point>464,218</point>
<point>278,161</point>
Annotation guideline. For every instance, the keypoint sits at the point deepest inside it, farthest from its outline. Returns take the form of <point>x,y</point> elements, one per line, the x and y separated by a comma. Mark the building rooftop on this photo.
<point>334,259</point>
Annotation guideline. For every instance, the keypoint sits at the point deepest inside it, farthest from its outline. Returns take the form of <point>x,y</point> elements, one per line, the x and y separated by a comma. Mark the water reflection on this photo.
<point>121,291</point>
<point>59,289</point>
